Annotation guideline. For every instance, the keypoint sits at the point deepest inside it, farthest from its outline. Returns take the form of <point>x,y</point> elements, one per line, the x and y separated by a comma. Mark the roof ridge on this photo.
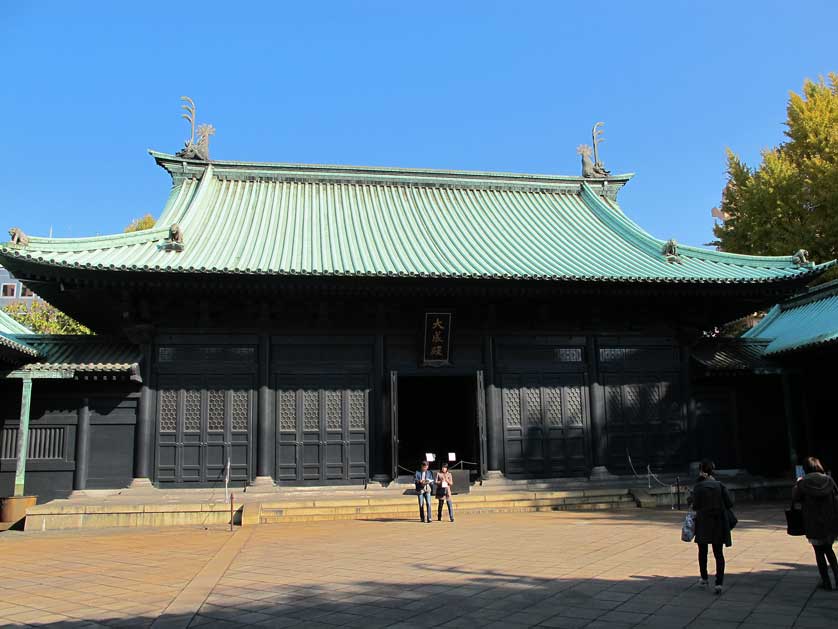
<point>754,332</point>
<point>621,224</point>
<point>173,212</point>
<point>812,293</point>
<point>646,241</point>
<point>96,242</point>
<point>178,165</point>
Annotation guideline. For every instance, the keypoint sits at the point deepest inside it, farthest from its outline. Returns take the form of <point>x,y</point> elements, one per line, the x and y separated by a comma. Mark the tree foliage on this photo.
<point>44,318</point>
<point>790,201</point>
<point>139,224</point>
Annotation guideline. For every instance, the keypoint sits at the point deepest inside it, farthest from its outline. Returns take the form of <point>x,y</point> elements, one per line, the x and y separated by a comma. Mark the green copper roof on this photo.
<point>801,322</point>
<point>291,219</point>
<point>8,325</point>
<point>82,353</point>
<point>11,347</point>
<point>733,354</point>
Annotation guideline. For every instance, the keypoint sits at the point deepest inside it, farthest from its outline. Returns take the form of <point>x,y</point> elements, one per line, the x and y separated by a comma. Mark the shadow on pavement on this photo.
<point>785,596</point>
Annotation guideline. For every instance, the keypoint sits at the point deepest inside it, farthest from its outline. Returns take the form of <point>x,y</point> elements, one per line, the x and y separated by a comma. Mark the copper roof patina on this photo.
<point>82,353</point>
<point>308,220</point>
<point>734,354</point>
<point>11,348</point>
<point>802,322</point>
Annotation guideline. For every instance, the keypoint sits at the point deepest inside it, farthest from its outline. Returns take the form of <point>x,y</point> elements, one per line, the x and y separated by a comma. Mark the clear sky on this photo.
<point>516,86</point>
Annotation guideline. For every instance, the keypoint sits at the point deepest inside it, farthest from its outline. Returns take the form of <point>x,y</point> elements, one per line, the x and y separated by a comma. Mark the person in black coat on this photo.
<point>711,502</point>
<point>818,496</point>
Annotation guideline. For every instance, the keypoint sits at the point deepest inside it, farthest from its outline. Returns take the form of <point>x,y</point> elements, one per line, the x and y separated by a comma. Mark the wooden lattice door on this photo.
<point>322,428</point>
<point>204,422</point>
<point>545,418</point>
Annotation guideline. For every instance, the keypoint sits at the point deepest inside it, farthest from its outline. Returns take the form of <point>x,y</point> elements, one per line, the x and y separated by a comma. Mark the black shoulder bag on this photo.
<point>794,521</point>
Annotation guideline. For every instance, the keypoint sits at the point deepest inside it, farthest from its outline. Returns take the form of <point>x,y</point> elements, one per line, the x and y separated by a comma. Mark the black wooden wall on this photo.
<point>302,393</point>
<point>52,468</point>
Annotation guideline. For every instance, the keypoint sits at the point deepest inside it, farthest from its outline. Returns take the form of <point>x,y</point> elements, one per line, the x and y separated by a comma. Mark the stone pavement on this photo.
<point>562,569</point>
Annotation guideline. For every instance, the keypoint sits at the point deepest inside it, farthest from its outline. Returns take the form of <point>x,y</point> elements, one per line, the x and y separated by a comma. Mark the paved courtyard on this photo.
<point>607,569</point>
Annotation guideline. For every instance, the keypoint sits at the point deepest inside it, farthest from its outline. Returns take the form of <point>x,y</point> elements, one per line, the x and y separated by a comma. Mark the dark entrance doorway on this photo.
<point>438,414</point>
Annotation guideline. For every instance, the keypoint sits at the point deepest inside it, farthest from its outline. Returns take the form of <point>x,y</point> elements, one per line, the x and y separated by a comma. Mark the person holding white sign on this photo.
<point>444,481</point>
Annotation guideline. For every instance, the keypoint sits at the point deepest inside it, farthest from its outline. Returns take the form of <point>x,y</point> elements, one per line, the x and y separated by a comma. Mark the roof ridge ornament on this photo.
<point>801,258</point>
<point>670,251</point>
<point>174,242</point>
<point>593,169</point>
<point>195,150</point>
<point>18,237</point>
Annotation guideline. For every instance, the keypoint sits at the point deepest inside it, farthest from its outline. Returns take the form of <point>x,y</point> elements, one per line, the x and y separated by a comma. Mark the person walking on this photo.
<point>444,481</point>
<point>818,496</point>
<point>711,502</point>
<point>424,481</point>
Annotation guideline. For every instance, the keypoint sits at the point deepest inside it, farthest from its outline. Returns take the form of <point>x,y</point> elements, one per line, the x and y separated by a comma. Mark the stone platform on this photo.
<point>151,507</point>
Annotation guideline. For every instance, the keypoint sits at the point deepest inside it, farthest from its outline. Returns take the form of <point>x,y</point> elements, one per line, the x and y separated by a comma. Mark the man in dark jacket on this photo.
<point>818,495</point>
<point>711,502</point>
<point>424,481</point>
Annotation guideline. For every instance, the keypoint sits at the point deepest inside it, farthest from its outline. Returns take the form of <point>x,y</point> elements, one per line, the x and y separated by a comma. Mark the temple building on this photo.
<point>306,324</point>
<point>801,336</point>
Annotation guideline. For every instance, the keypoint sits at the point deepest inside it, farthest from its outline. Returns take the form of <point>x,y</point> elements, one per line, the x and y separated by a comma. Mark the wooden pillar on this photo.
<point>379,433</point>
<point>82,445</point>
<point>688,407</point>
<point>494,427</point>
<point>599,436</point>
<point>145,421</point>
<point>23,436</point>
<point>264,439</point>
<point>791,424</point>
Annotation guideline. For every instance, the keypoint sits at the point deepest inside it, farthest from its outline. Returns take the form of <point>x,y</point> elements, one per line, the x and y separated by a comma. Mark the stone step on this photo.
<point>410,514</point>
<point>406,509</point>
<point>477,496</point>
<point>463,505</point>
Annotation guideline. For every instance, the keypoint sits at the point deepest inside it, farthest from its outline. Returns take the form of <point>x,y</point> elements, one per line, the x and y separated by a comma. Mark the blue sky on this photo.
<point>88,87</point>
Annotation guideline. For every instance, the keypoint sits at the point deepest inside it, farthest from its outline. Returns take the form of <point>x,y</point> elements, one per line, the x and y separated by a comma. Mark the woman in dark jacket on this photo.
<point>818,495</point>
<point>711,502</point>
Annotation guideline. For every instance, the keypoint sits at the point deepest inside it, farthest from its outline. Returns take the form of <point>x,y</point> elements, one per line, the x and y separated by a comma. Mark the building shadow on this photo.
<point>785,593</point>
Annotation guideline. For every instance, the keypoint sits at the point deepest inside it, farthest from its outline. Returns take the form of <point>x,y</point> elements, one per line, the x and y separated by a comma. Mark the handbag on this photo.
<point>732,520</point>
<point>794,521</point>
<point>688,528</point>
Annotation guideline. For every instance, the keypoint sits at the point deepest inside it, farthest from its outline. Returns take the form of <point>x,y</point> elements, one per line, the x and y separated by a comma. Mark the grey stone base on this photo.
<point>262,481</point>
<point>261,484</point>
<point>600,472</point>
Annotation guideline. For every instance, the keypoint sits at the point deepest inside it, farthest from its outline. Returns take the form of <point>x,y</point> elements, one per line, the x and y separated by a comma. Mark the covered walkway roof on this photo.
<point>802,322</point>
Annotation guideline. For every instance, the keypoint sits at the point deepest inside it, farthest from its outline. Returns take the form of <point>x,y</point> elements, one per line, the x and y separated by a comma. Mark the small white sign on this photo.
<point>452,456</point>
<point>430,458</point>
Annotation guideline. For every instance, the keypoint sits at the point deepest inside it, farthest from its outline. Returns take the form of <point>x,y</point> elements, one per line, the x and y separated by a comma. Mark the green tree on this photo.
<point>44,318</point>
<point>138,224</point>
<point>790,201</point>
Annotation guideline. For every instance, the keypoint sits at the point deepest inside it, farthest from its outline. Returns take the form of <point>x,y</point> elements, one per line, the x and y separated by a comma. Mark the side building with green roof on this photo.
<point>800,335</point>
<point>312,325</point>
